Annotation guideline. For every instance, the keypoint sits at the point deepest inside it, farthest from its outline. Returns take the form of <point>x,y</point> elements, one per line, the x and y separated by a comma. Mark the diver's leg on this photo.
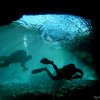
<point>55,67</point>
<point>46,61</point>
<point>39,70</point>
<point>35,71</point>
<point>5,64</point>
<point>3,58</point>
<point>51,76</point>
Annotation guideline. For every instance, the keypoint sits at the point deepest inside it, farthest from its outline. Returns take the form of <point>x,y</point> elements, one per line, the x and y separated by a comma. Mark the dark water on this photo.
<point>46,37</point>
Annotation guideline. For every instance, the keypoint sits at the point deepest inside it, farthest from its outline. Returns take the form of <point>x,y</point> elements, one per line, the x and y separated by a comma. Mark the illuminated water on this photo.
<point>56,37</point>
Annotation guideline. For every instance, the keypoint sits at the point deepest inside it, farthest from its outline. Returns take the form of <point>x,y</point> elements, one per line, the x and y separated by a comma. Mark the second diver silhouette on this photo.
<point>68,72</point>
<point>19,56</point>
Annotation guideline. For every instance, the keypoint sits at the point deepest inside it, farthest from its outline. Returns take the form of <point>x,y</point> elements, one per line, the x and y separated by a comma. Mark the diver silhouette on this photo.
<point>68,72</point>
<point>19,56</point>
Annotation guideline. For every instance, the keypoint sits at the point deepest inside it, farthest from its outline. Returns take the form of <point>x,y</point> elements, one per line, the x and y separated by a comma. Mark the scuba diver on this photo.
<point>68,72</point>
<point>19,56</point>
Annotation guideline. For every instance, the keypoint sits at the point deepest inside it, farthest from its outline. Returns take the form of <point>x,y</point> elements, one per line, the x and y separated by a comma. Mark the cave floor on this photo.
<point>88,89</point>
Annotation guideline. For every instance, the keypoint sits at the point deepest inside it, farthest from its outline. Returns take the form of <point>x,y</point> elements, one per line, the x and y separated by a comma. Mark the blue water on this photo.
<point>55,37</point>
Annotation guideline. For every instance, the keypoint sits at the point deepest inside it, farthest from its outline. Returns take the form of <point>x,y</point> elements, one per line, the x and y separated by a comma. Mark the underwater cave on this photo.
<point>62,38</point>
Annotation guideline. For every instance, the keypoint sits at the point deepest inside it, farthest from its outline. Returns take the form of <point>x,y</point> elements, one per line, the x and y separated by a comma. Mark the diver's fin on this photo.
<point>3,58</point>
<point>38,70</point>
<point>45,61</point>
<point>4,64</point>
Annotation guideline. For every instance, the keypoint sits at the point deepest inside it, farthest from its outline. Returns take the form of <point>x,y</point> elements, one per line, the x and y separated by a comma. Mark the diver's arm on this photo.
<point>80,75</point>
<point>79,71</point>
<point>76,76</point>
